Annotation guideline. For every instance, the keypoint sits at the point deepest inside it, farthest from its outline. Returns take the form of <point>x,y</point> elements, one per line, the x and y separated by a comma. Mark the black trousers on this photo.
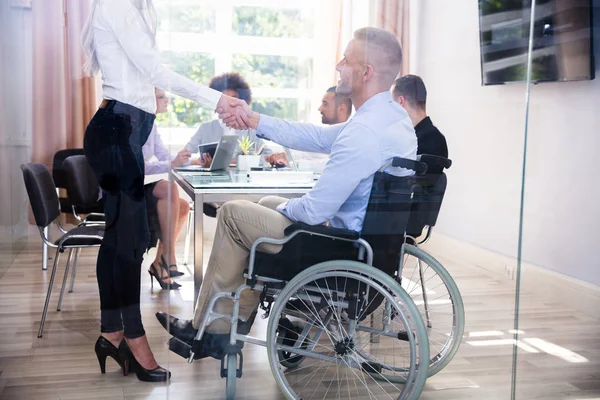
<point>113,146</point>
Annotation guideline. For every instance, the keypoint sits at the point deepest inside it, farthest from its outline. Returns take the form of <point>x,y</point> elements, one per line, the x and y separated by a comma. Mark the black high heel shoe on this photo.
<point>104,348</point>
<point>153,271</point>
<point>172,273</point>
<point>158,374</point>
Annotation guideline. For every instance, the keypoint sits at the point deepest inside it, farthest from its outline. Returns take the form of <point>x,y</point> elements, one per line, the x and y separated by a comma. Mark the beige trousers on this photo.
<point>239,224</point>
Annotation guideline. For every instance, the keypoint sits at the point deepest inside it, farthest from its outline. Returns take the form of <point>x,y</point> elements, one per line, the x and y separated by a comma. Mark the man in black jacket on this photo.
<point>410,92</point>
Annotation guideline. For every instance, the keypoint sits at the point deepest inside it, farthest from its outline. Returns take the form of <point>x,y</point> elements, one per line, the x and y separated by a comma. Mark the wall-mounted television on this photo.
<point>562,40</point>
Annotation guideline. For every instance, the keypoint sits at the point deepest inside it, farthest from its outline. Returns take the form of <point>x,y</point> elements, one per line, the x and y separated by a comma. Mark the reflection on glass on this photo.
<point>562,41</point>
<point>530,345</point>
<point>556,350</point>
<point>504,342</point>
<point>485,333</point>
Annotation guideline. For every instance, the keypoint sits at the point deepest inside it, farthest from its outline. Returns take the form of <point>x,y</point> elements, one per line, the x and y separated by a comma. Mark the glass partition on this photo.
<point>559,287</point>
<point>504,279</point>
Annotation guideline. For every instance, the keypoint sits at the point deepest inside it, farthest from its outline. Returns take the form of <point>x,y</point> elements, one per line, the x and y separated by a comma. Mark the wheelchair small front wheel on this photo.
<point>230,384</point>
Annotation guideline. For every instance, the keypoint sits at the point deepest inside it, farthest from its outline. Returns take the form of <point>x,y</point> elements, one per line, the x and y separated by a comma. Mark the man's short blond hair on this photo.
<point>383,51</point>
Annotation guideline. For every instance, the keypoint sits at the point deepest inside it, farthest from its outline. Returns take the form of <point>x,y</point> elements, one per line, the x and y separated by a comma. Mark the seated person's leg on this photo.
<point>272,202</point>
<point>210,209</point>
<point>167,194</point>
<point>239,224</point>
<point>184,210</point>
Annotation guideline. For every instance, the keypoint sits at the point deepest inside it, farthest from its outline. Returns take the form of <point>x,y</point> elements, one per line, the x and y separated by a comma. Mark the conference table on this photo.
<point>222,186</point>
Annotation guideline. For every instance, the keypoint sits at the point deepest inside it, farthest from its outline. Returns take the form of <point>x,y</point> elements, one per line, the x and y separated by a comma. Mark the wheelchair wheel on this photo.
<point>439,301</point>
<point>230,383</point>
<point>346,352</point>
<point>289,337</point>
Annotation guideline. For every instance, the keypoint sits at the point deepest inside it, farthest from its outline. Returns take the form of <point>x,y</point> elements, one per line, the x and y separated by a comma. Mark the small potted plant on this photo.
<point>248,159</point>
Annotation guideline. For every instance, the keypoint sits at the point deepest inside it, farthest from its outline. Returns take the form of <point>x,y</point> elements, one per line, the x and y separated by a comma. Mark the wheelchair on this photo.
<point>353,314</point>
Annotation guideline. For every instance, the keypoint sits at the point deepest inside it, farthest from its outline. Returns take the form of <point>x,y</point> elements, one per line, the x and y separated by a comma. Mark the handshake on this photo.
<point>236,113</point>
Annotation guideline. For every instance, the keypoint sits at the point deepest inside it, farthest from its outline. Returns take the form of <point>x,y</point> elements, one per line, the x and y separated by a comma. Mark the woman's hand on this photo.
<point>205,160</point>
<point>236,113</point>
<point>182,157</point>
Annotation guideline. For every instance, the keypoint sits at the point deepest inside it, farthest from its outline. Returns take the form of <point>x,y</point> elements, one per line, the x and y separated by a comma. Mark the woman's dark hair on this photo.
<point>232,81</point>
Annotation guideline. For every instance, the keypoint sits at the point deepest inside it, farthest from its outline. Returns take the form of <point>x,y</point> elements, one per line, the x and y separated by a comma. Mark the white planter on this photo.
<point>244,163</point>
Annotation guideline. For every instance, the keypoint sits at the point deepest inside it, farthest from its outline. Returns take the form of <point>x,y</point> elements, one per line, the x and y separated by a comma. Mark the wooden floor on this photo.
<point>559,349</point>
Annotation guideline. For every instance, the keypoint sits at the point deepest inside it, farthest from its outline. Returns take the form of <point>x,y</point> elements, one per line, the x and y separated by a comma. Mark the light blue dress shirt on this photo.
<point>379,131</point>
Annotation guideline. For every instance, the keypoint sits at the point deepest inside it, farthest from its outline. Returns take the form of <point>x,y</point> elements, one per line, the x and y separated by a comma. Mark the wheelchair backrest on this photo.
<point>400,206</point>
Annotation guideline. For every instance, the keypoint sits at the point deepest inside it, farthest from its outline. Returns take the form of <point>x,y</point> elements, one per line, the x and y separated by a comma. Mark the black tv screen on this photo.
<point>562,40</point>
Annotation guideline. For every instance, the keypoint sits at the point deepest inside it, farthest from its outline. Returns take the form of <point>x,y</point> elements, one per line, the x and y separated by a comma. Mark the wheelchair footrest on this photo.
<point>180,348</point>
<point>404,336</point>
<point>184,349</point>
<point>371,368</point>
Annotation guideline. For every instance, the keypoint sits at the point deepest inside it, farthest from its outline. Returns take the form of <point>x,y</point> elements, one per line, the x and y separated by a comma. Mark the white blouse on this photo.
<point>130,63</point>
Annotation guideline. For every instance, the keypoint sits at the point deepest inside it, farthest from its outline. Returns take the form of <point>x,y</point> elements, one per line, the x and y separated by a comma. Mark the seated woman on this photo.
<point>234,85</point>
<point>160,196</point>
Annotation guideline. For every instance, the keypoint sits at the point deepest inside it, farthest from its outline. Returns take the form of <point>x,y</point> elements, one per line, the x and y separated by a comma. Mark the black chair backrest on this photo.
<point>83,189</point>
<point>41,192</point>
<point>58,173</point>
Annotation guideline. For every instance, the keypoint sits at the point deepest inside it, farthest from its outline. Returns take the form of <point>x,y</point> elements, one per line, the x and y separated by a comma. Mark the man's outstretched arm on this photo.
<point>295,135</point>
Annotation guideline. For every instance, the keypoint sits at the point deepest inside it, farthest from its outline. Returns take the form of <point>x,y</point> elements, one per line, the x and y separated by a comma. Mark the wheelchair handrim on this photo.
<point>378,280</point>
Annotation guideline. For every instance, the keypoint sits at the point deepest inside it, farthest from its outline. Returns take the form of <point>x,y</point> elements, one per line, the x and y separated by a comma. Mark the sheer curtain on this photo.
<point>64,100</point>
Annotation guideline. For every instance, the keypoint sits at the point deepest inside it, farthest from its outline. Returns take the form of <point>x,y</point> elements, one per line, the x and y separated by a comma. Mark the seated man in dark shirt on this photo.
<point>410,92</point>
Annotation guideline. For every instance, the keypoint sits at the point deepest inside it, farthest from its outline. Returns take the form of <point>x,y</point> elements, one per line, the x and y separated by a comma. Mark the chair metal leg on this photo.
<point>45,312</point>
<point>45,252</point>
<point>186,249</point>
<point>74,270</point>
<point>62,288</point>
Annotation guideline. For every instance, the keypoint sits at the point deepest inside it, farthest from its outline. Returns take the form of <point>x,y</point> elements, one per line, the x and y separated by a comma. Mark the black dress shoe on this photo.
<point>180,328</point>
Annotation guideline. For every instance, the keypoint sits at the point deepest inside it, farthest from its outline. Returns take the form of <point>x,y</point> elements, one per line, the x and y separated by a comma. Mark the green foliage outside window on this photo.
<point>291,109</point>
<point>269,22</point>
<point>261,71</point>
<point>272,71</point>
<point>199,67</point>
<point>174,16</point>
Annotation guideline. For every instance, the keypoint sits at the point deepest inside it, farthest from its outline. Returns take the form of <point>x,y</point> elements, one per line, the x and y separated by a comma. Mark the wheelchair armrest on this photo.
<point>435,161</point>
<point>419,167</point>
<point>322,230</point>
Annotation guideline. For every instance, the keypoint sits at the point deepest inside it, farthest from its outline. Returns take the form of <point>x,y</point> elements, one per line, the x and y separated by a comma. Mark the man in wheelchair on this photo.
<point>379,131</point>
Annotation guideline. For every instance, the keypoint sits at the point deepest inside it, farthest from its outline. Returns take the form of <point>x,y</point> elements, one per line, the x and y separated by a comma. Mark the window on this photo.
<point>270,43</point>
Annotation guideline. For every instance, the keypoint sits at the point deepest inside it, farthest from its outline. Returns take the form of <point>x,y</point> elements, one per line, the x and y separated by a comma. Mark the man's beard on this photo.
<point>327,121</point>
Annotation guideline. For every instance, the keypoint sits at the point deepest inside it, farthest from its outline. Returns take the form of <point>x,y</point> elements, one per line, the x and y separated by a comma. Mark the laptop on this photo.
<point>221,152</point>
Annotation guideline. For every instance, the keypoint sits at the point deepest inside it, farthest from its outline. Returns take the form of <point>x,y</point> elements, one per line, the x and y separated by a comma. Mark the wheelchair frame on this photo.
<point>233,349</point>
<point>231,370</point>
<point>211,316</point>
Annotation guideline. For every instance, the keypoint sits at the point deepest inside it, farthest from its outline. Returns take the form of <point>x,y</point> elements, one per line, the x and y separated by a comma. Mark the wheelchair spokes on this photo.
<point>436,296</point>
<point>328,343</point>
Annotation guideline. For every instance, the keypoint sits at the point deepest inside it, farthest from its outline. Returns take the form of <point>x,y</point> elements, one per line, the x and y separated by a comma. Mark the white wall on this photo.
<point>485,131</point>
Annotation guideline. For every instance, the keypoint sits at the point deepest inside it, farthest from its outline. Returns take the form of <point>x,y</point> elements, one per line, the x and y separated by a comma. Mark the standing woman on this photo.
<point>120,41</point>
